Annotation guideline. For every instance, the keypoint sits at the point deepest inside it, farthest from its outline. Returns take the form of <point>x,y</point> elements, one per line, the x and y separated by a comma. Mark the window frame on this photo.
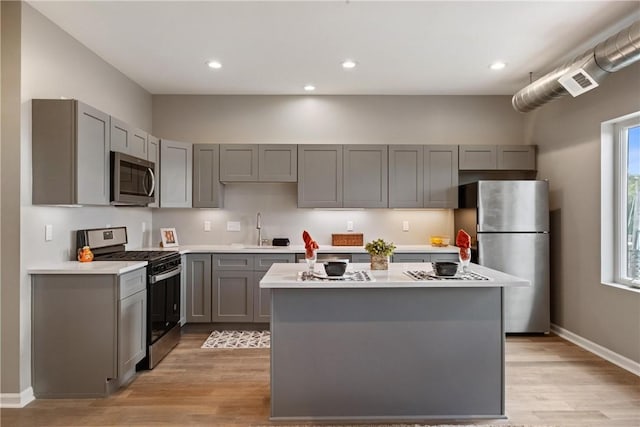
<point>614,149</point>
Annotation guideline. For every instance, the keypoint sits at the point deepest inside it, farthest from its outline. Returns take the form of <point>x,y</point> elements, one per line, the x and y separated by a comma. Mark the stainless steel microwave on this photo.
<point>133,180</point>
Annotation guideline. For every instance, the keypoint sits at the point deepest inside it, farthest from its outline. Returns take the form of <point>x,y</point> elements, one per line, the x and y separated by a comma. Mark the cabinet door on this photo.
<point>261,300</point>
<point>238,162</point>
<point>176,159</point>
<point>365,171</point>
<point>120,136</point>
<point>278,163</point>
<point>232,296</point>
<point>138,143</point>
<point>411,257</point>
<point>207,190</point>
<point>153,155</point>
<point>132,333</point>
<point>320,176</point>
<point>517,157</point>
<point>92,153</point>
<point>440,176</point>
<point>478,157</point>
<point>198,282</point>
<point>406,178</point>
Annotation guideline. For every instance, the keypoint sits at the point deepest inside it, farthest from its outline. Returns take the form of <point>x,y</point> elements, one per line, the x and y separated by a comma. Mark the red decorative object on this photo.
<point>463,240</point>
<point>310,245</point>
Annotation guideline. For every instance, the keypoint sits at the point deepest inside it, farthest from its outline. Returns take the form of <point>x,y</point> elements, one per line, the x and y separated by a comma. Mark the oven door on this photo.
<point>132,180</point>
<point>164,303</point>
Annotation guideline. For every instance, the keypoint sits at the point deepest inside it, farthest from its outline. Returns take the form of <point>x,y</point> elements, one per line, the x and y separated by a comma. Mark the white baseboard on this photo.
<point>16,400</point>
<point>597,349</point>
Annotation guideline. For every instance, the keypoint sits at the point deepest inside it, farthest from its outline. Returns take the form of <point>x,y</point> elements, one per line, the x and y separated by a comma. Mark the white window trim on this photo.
<point>612,249</point>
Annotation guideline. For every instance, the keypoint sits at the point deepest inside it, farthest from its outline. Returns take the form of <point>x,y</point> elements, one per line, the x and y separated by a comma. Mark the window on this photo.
<point>626,139</point>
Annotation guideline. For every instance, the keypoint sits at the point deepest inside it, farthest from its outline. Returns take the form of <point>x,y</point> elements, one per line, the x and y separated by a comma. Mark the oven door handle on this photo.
<point>167,275</point>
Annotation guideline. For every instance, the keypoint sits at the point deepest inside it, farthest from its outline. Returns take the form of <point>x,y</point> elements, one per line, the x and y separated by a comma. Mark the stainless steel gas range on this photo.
<point>163,287</point>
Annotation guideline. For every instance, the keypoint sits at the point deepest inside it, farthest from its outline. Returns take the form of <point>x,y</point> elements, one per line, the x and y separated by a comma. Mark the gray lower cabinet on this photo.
<point>320,176</point>
<point>423,176</point>
<point>497,157</point>
<point>207,190</point>
<point>176,163</point>
<point>365,175</point>
<point>88,332</point>
<point>127,139</point>
<point>153,155</point>
<point>358,257</point>
<point>226,287</point>
<point>70,153</point>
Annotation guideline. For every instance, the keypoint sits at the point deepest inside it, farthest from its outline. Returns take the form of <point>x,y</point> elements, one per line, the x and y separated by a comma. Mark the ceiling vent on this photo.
<point>584,72</point>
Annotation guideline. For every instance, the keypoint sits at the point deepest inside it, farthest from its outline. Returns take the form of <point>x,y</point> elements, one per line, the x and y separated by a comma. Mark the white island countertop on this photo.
<point>93,267</point>
<point>286,276</point>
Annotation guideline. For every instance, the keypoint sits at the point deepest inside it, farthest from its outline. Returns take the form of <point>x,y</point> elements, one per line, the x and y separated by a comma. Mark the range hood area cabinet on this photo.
<point>337,176</point>
<point>423,176</point>
<point>497,157</point>
<point>176,177</point>
<point>127,139</point>
<point>258,162</point>
<point>70,148</point>
<point>207,189</point>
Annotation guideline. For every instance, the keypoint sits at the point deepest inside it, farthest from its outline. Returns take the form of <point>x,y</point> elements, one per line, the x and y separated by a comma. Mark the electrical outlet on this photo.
<point>48,232</point>
<point>207,226</point>
<point>405,225</point>
<point>349,225</point>
<point>233,226</point>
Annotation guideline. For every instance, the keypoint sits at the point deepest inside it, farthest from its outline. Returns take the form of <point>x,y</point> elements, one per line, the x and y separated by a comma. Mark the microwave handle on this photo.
<point>153,181</point>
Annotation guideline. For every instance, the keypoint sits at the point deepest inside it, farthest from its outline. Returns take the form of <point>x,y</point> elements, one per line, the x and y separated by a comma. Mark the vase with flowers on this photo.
<point>380,252</point>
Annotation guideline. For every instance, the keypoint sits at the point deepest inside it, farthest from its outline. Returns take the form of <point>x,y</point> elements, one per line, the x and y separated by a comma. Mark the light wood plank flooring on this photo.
<point>550,382</point>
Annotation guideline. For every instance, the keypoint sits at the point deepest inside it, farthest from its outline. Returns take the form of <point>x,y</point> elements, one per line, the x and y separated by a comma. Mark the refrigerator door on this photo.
<point>513,206</point>
<point>524,255</point>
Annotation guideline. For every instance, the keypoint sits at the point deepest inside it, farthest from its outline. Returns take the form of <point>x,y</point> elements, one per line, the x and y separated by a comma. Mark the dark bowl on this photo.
<point>335,268</point>
<point>445,268</point>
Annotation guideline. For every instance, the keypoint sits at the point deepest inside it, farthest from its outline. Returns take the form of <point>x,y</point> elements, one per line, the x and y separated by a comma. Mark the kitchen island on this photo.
<point>390,349</point>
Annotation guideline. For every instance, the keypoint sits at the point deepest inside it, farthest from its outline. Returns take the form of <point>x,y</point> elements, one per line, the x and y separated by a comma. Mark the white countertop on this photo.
<point>286,276</point>
<point>241,248</point>
<point>94,267</point>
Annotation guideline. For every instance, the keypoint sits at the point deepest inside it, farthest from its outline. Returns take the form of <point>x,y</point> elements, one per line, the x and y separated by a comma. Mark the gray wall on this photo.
<point>322,120</point>
<point>567,133</point>
<point>54,65</point>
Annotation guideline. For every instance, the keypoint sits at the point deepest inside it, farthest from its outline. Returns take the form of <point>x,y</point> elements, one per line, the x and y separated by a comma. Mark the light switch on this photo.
<point>207,226</point>
<point>233,226</point>
<point>349,225</point>
<point>405,225</point>
<point>48,232</point>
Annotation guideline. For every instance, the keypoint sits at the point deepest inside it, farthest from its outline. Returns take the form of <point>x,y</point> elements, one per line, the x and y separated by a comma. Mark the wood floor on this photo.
<point>550,382</point>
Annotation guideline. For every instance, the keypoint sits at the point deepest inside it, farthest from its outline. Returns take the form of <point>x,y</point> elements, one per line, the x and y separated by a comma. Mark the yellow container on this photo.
<point>440,241</point>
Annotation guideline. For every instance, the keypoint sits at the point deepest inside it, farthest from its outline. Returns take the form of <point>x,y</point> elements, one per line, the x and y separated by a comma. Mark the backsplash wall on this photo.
<point>282,218</point>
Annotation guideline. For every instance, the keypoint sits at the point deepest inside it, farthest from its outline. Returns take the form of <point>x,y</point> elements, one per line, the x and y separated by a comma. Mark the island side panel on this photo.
<point>409,353</point>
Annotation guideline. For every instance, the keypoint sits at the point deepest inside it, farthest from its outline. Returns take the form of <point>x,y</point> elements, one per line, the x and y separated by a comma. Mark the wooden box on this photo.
<point>347,239</point>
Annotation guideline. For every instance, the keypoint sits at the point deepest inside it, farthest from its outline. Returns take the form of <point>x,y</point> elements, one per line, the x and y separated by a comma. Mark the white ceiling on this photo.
<point>270,47</point>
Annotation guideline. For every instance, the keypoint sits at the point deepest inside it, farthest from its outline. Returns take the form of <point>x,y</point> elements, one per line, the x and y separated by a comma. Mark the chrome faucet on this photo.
<point>259,228</point>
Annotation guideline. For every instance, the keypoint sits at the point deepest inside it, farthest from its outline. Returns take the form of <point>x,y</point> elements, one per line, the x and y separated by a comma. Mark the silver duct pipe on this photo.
<point>615,53</point>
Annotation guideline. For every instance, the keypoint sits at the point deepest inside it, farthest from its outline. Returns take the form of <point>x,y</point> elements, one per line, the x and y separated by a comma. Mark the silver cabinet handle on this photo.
<point>167,275</point>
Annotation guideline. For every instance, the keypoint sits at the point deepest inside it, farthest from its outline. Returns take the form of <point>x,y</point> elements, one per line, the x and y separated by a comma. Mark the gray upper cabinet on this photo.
<point>497,157</point>
<point>127,139</point>
<point>176,162</point>
<point>207,190</point>
<point>517,157</point>
<point>238,162</point>
<point>365,174</point>
<point>153,155</point>
<point>278,163</point>
<point>406,176</point>
<point>478,157</point>
<point>70,153</point>
<point>320,176</point>
<point>441,176</point>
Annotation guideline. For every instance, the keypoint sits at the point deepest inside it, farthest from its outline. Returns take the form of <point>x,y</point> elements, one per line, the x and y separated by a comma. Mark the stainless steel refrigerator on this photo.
<point>509,220</point>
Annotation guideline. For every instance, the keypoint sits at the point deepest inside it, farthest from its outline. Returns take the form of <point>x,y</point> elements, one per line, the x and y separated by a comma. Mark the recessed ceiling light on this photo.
<point>309,88</point>
<point>216,65</point>
<point>498,65</point>
<point>349,64</point>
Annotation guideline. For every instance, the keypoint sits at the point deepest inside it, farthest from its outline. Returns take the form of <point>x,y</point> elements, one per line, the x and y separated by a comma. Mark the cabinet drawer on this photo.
<point>444,257</point>
<point>236,262</point>
<point>411,257</point>
<point>356,257</point>
<point>263,261</point>
<point>132,282</point>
